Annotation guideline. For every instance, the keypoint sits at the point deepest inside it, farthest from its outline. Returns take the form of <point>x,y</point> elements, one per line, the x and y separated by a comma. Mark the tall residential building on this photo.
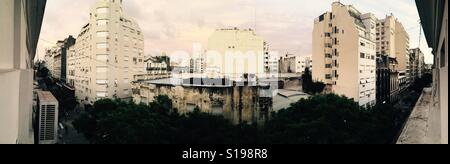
<point>233,52</point>
<point>60,58</point>
<point>71,65</point>
<point>393,40</point>
<point>49,60</point>
<point>57,60</point>
<point>20,22</point>
<point>417,63</point>
<point>344,52</point>
<point>434,18</point>
<point>109,51</point>
<point>47,118</point>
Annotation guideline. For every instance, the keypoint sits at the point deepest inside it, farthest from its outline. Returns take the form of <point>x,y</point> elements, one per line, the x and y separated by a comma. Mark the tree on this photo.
<point>320,119</point>
<point>332,119</point>
<point>42,72</point>
<point>309,86</point>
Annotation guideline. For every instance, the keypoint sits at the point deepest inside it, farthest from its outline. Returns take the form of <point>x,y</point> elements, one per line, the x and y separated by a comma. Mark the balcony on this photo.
<point>419,128</point>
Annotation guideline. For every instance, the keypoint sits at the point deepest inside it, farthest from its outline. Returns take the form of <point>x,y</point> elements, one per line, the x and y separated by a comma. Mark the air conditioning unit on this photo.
<point>47,119</point>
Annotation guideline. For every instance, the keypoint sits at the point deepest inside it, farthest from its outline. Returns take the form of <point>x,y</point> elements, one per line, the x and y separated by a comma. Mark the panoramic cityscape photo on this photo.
<point>258,72</point>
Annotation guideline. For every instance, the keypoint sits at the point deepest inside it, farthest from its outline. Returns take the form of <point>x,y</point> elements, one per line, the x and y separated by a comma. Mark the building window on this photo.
<point>362,55</point>
<point>102,82</point>
<point>102,34</point>
<point>102,22</point>
<point>101,94</point>
<point>102,10</point>
<point>102,69</point>
<point>102,57</point>
<point>328,76</point>
<point>102,45</point>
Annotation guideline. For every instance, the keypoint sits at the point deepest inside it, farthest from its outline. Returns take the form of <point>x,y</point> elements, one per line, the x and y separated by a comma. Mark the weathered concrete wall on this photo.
<point>239,104</point>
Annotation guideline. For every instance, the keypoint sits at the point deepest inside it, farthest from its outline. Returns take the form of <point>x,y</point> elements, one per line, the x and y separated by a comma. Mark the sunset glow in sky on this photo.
<point>174,25</point>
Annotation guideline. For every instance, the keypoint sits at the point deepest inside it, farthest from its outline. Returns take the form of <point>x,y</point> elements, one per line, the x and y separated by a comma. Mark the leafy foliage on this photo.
<point>321,119</point>
<point>309,86</point>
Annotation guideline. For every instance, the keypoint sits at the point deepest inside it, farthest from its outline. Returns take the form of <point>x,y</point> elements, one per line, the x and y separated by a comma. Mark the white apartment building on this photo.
<point>302,63</point>
<point>109,51</point>
<point>393,40</point>
<point>20,22</point>
<point>197,65</point>
<point>273,63</point>
<point>417,65</point>
<point>295,64</point>
<point>233,52</point>
<point>49,60</point>
<point>71,65</point>
<point>57,59</point>
<point>344,52</point>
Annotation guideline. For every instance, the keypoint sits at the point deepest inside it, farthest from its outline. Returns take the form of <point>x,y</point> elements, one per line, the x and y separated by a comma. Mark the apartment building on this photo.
<point>197,65</point>
<point>295,64</point>
<point>393,41</point>
<point>20,22</point>
<point>344,51</point>
<point>48,59</point>
<point>61,58</point>
<point>273,65</point>
<point>158,65</point>
<point>417,63</point>
<point>109,51</point>
<point>387,89</point>
<point>232,52</point>
<point>303,63</point>
<point>434,18</point>
<point>71,65</point>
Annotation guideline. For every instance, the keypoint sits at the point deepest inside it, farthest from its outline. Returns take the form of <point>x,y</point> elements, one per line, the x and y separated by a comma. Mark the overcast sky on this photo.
<point>173,25</point>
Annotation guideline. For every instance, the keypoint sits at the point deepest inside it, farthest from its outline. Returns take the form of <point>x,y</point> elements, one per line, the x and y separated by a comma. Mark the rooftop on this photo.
<point>285,98</point>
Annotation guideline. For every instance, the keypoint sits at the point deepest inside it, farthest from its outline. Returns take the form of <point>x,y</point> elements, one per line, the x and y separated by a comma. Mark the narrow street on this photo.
<point>69,134</point>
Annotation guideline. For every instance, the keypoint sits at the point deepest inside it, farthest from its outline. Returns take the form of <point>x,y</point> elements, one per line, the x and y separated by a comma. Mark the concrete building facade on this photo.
<point>109,51</point>
<point>20,22</point>
<point>59,55</point>
<point>295,64</point>
<point>344,51</point>
<point>233,52</point>
<point>236,102</point>
<point>417,63</point>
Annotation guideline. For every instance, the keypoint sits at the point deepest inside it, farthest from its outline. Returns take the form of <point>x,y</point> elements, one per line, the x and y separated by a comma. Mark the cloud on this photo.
<point>172,25</point>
